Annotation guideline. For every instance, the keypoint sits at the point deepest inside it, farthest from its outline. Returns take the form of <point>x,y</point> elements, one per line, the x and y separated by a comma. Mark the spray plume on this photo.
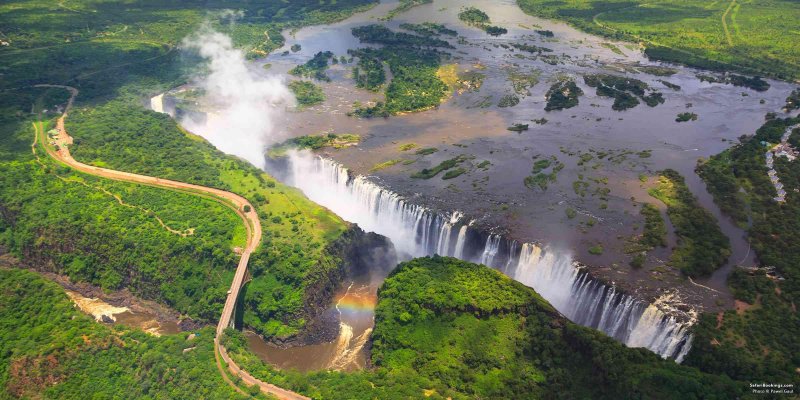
<point>242,105</point>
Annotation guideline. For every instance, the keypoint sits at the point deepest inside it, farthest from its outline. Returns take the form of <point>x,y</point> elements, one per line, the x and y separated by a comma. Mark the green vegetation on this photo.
<point>624,91</point>
<point>702,247</point>
<point>670,85</point>
<point>655,231</point>
<point>315,67</point>
<point>686,116</point>
<point>413,61</point>
<point>385,164</point>
<point>307,93</point>
<point>453,173</point>
<point>404,6</point>
<point>478,18</point>
<point>445,328</point>
<point>755,37</point>
<point>596,250</point>
<point>522,81</point>
<point>51,350</point>
<point>755,83</point>
<point>657,70</point>
<point>562,95</point>
<point>793,101</point>
<point>314,142</point>
<point>369,73</point>
<point>473,16</point>
<point>518,127</point>
<point>426,151</point>
<point>570,212</point>
<point>756,344</point>
<point>508,100</point>
<point>70,223</point>
<point>428,29</point>
<point>538,177</point>
<point>429,173</point>
<point>531,48</point>
<point>408,146</point>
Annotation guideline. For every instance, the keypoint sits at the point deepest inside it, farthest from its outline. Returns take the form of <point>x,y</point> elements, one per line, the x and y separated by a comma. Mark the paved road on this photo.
<point>234,201</point>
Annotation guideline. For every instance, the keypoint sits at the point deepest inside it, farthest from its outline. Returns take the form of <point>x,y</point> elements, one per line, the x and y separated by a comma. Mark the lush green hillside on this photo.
<point>758,343</point>
<point>58,220</point>
<point>50,350</point>
<point>756,37</point>
<point>445,328</point>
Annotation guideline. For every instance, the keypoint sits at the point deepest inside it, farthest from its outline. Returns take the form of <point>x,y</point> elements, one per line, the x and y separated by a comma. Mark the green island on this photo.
<point>413,61</point>
<point>428,173</point>
<point>562,95</point>
<point>307,93</point>
<point>476,17</point>
<point>686,116</point>
<point>752,38</point>
<point>315,67</point>
<point>626,92</point>
<point>702,247</point>
<point>314,142</point>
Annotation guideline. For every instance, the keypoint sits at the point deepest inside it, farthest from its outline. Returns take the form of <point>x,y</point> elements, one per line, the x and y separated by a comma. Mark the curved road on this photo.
<point>232,200</point>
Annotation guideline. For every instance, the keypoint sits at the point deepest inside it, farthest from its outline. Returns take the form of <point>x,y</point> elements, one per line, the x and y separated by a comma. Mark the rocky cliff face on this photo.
<point>355,254</point>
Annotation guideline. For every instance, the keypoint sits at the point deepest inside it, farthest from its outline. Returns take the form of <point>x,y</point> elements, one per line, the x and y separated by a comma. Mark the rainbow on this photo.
<point>356,304</point>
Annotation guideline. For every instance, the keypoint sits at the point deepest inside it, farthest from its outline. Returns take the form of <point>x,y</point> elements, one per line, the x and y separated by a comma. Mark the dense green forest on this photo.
<point>702,247</point>
<point>625,91</point>
<point>759,343</point>
<point>58,220</point>
<point>753,37</point>
<point>445,328</point>
<point>50,350</point>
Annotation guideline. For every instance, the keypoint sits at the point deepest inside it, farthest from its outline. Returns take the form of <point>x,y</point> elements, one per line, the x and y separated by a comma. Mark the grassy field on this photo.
<point>754,37</point>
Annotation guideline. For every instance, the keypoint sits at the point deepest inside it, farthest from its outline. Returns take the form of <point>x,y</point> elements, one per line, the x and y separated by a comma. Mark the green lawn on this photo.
<point>754,37</point>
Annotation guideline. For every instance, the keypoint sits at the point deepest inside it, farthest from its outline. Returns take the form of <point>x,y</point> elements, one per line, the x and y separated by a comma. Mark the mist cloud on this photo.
<point>241,106</point>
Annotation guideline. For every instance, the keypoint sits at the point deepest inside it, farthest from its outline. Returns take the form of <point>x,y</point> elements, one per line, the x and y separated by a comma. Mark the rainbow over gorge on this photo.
<point>417,231</point>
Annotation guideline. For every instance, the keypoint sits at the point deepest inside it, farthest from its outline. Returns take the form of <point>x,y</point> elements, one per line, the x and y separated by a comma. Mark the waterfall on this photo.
<point>157,103</point>
<point>417,231</point>
<point>462,236</point>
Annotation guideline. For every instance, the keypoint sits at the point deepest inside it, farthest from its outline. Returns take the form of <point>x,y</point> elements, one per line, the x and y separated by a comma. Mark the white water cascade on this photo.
<point>157,103</point>
<point>417,231</point>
